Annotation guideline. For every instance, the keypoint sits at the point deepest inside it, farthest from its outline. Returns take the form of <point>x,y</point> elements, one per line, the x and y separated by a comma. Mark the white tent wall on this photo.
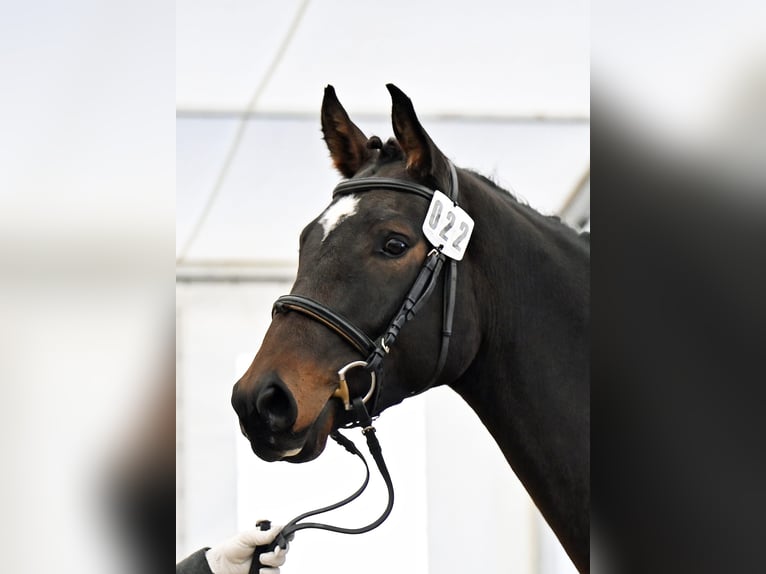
<point>281,177</point>
<point>523,59</point>
<point>503,89</point>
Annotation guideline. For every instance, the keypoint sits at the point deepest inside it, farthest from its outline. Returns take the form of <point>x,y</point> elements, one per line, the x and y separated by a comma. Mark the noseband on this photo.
<point>375,350</point>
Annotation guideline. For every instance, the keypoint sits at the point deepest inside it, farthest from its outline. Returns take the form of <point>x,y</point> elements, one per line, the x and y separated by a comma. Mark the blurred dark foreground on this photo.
<point>679,314</point>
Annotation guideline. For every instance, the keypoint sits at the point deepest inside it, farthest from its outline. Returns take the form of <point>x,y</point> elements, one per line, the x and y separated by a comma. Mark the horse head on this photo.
<point>359,258</point>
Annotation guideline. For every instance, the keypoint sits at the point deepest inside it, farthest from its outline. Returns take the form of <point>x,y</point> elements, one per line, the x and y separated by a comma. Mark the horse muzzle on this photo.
<point>267,418</point>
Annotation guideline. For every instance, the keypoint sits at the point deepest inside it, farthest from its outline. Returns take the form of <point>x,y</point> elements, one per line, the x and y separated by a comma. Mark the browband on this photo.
<point>389,183</point>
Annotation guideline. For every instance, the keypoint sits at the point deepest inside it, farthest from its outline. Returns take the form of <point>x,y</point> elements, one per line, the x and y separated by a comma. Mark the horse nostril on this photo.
<point>276,405</point>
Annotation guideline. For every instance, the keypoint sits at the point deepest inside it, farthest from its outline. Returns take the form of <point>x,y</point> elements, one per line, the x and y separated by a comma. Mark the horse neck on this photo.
<point>529,382</point>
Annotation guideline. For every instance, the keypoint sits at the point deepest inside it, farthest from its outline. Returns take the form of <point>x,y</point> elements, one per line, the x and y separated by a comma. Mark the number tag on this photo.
<point>447,226</point>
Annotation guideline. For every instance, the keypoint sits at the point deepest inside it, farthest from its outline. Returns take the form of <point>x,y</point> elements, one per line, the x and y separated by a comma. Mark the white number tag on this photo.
<point>447,226</point>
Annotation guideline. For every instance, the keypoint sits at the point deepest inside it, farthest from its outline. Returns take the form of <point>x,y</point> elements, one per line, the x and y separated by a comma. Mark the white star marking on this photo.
<point>337,212</point>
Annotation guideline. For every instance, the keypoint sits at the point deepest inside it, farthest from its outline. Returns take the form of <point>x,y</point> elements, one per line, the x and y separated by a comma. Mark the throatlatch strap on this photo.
<point>450,289</point>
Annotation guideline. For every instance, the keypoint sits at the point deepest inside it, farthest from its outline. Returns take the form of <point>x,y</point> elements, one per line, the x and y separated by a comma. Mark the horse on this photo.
<point>508,329</point>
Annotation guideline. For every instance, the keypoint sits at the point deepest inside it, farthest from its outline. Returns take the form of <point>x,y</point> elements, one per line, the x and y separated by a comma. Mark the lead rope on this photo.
<point>295,524</point>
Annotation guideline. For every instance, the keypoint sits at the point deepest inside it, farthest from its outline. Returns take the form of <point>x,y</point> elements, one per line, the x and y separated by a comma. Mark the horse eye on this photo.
<point>394,247</point>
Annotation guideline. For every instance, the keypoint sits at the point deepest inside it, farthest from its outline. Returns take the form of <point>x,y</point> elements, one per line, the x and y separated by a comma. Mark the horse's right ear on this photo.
<point>346,142</point>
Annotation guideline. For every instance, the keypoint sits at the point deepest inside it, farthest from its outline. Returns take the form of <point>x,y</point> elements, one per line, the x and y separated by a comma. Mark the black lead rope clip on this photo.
<point>365,421</point>
<point>255,567</point>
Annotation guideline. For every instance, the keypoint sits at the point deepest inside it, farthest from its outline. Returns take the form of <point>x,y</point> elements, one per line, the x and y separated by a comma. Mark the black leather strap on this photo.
<point>450,289</point>
<point>419,292</point>
<point>389,183</point>
<point>338,323</point>
<point>296,524</point>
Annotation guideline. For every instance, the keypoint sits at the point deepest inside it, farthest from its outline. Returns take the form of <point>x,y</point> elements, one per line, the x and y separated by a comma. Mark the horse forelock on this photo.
<point>387,152</point>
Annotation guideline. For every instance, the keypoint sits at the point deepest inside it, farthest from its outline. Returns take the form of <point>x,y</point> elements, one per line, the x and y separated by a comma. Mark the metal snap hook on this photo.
<point>342,391</point>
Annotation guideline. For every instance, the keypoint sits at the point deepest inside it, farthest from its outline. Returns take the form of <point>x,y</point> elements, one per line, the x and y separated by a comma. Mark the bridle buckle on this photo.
<point>342,391</point>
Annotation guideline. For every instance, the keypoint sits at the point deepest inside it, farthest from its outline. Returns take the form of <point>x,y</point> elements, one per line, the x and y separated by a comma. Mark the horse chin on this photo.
<point>302,446</point>
<point>315,438</point>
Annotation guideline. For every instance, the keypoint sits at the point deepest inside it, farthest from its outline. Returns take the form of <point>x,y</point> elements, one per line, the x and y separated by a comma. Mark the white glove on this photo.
<point>236,554</point>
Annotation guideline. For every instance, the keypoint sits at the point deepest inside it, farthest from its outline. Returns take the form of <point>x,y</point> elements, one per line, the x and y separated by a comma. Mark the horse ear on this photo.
<point>424,160</point>
<point>346,142</point>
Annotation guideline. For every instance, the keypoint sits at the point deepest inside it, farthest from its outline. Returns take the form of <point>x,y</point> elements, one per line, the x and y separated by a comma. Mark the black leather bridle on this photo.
<point>374,352</point>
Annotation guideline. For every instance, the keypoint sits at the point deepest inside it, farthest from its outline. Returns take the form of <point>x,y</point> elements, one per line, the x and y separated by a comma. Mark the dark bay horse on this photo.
<point>519,348</point>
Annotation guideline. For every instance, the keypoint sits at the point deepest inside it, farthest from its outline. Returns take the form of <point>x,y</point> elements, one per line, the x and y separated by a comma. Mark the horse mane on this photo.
<point>391,151</point>
<point>554,220</point>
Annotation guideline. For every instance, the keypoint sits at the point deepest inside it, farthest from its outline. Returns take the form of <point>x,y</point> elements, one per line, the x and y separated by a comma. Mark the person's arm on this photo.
<point>194,564</point>
<point>235,555</point>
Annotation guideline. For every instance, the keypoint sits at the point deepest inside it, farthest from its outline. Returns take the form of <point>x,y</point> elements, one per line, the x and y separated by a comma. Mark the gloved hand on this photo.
<point>235,555</point>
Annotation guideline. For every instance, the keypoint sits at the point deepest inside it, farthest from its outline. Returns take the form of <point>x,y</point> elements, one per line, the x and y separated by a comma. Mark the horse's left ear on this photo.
<point>424,160</point>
